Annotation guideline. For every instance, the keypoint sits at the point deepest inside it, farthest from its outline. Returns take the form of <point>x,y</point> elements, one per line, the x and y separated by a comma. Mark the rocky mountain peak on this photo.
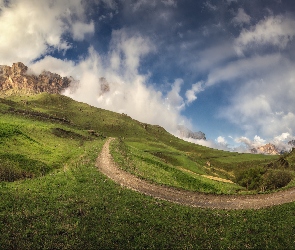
<point>17,80</point>
<point>184,132</point>
<point>269,149</point>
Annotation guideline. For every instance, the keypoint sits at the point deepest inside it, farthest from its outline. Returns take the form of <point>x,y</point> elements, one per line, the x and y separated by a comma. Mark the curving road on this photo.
<point>108,167</point>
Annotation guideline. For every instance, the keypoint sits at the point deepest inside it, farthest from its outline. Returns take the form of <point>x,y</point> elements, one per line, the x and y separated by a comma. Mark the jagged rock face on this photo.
<point>186,133</point>
<point>292,143</point>
<point>15,80</point>
<point>269,149</point>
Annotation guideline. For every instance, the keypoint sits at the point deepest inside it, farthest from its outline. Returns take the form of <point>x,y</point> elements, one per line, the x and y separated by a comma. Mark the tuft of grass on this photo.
<point>8,130</point>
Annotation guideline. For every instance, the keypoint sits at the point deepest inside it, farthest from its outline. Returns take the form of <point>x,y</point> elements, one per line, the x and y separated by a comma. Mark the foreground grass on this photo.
<point>81,208</point>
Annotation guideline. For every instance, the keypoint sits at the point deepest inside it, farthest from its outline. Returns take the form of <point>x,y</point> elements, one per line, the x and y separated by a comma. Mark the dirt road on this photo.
<point>108,167</point>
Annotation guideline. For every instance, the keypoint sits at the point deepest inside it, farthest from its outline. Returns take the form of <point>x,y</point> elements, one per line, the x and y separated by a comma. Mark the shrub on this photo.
<point>274,179</point>
<point>251,178</point>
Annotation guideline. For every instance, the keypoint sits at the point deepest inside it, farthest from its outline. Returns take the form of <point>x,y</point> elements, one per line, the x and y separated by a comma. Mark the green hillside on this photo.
<point>53,197</point>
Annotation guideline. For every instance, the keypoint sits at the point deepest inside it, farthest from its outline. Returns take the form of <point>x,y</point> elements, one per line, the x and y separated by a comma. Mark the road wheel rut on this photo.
<point>107,166</point>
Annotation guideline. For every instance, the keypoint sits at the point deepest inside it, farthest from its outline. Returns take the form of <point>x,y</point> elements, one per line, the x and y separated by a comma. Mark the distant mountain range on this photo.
<point>271,149</point>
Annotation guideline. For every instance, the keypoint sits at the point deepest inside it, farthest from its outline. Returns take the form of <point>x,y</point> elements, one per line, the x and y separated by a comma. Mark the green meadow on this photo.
<point>53,196</point>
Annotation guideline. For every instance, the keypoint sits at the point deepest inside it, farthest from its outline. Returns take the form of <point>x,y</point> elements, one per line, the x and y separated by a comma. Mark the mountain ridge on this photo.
<point>17,80</point>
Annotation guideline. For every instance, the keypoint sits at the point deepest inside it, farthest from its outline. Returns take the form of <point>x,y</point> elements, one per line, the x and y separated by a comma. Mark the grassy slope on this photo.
<point>165,157</point>
<point>69,204</point>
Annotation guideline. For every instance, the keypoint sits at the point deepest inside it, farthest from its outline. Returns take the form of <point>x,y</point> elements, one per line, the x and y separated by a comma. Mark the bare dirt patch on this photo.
<point>206,176</point>
<point>108,167</point>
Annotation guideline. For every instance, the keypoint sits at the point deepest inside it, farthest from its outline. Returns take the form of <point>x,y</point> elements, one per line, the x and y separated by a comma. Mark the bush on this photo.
<point>274,179</point>
<point>262,179</point>
<point>251,178</point>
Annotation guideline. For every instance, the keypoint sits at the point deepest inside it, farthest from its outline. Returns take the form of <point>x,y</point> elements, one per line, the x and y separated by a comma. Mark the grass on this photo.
<point>167,170</point>
<point>57,199</point>
<point>81,208</point>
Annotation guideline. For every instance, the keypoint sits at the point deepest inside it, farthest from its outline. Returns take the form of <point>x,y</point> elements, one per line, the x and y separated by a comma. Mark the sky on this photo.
<point>223,67</point>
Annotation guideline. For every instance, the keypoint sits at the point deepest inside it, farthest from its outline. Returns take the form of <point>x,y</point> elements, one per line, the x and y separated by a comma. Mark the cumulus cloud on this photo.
<point>137,5</point>
<point>274,30</point>
<point>58,66</point>
<point>191,93</point>
<point>219,143</point>
<point>128,90</point>
<point>255,143</point>
<point>173,98</point>
<point>210,6</point>
<point>80,29</point>
<point>30,29</point>
<point>265,104</point>
<point>211,58</point>
<point>283,137</point>
<point>245,67</point>
<point>127,50</point>
<point>241,17</point>
<point>221,140</point>
<point>172,3</point>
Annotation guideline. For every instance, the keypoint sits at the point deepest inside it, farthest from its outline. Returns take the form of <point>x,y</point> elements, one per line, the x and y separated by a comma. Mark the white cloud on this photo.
<point>220,143</point>
<point>30,29</point>
<point>80,29</point>
<point>246,67</point>
<point>205,143</point>
<point>265,104</point>
<point>191,93</point>
<point>221,140</point>
<point>241,17</point>
<point>172,3</point>
<point>283,137</point>
<point>210,6</point>
<point>143,3</point>
<point>127,50</point>
<point>173,98</point>
<point>277,31</point>
<point>212,57</point>
<point>255,143</point>
<point>58,66</point>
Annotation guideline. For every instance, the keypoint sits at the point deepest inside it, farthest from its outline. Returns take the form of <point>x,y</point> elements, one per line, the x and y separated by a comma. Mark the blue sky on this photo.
<point>224,67</point>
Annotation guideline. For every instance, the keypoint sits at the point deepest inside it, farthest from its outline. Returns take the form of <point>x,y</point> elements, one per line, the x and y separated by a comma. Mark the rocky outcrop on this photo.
<point>16,80</point>
<point>186,133</point>
<point>292,143</point>
<point>269,149</point>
